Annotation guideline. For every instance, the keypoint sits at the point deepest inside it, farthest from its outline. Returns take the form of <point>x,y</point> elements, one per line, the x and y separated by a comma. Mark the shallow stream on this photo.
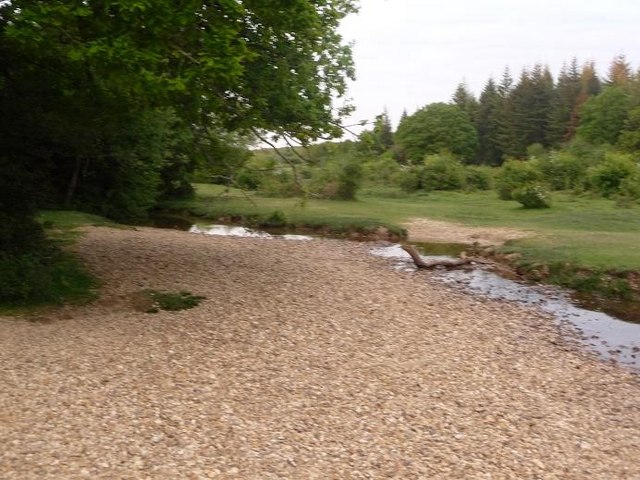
<point>609,337</point>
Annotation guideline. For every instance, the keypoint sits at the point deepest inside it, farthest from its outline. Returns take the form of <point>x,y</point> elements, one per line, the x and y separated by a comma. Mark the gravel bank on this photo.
<point>306,361</point>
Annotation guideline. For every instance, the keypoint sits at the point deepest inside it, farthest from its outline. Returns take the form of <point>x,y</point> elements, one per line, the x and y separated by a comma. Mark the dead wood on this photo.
<point>445,262</point>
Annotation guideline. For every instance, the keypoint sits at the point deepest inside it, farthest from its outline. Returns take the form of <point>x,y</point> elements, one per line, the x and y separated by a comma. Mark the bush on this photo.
<point>280,184</point>
<point>563,170</point>
<point>608,177</point>
<point>46,276</point>
<point>532,196</point>
<point>349,180</point>
<point>443,172</point>
<point>629,192</point>
<point>478,178</point>
<point>381,170</point>
<point>515,175</point>
<point>409,179</point>
<point>276,219</point>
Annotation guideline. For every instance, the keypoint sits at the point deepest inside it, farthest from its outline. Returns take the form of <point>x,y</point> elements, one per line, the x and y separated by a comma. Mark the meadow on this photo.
<point>585,231</point>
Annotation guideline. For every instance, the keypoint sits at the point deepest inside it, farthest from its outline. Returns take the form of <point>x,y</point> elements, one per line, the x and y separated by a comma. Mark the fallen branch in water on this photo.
<point>445,262</point>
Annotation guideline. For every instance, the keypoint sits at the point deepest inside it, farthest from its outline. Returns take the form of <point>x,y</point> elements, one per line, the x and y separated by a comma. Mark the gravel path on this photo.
<point>306,361</point>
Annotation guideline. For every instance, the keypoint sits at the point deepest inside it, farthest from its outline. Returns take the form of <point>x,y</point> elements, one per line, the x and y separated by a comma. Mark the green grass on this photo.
<point>62,225</point>
<point>48,275</point>
<point>171,301</point>
<point>589,232</point>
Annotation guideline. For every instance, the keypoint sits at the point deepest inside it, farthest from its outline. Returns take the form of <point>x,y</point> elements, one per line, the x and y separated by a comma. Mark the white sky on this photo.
<point>409,53</point>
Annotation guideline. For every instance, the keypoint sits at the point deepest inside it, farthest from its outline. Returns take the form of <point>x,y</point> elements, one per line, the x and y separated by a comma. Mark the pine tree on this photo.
<point>565,99</point>
<point>590,86</point>
<point>404,116</point>
<point>619,72</point>
<point>531,102</point>
<point>487,125</point>
<point>465,100</point>
<point>383,132</point>
<point>504,116</point>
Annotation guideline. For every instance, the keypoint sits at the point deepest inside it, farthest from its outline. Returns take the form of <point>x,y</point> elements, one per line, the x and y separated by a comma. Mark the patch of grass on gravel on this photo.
<point>152,301</point>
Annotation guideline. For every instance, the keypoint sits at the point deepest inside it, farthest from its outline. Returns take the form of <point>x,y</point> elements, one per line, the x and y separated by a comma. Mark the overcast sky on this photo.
<point>409,53</point>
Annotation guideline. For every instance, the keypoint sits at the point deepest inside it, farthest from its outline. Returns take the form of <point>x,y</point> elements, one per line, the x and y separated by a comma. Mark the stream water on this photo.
<point>609,337</point>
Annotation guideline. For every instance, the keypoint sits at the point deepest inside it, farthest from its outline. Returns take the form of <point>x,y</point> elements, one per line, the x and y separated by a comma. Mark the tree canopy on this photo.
<point>435,128</point>
<point>104,100</point>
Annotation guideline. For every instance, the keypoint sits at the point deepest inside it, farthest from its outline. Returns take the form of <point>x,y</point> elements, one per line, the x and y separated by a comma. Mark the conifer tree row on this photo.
<point>511,115</point>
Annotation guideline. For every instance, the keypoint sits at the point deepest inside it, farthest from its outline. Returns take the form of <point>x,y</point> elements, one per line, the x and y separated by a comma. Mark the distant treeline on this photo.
<point>579,132</point>
<point>511,114</point>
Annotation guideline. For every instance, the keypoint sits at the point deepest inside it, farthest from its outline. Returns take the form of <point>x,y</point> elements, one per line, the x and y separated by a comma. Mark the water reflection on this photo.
<point>231,231</point>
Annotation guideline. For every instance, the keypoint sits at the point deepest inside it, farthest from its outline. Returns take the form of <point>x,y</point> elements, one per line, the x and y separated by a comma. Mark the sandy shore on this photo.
<point>306,361</point>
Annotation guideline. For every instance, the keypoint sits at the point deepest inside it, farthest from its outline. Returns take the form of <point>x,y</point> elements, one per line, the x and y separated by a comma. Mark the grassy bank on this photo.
<point>592,233</point>
<point>588,244</point>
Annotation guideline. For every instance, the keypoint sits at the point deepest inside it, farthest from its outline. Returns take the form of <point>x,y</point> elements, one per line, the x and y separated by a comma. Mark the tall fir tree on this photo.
<point>488,125</point>
<point>383,131</point>
<point>505,132</point>
<point>590,86</point>
<point>567,92</point>
<point>532,100</point>
<point>466,100</point>
<point>619,72</point>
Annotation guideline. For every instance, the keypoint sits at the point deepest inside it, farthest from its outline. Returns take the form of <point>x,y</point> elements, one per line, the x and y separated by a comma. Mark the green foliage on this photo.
<point>630,186</point>
<point>586,152</point>
<point>382,192</point>
<point>409,179</point>
<point>349,180</point>
<point>607,178</point>
<point>488,120</point>
<point>563,114</point>
<point>171,301</point>
<point>380,139</point>
<point>44,276</point>
<point>603,117</point>
<point>279,184</point>
<point>629,139</point>
<point>276,219</point>
<point>515,175</point>
<point>381,170</point>
<point>531,105</point>
<point>442,172</point>
<point>562,170</point>
<point>478,178</point>
<point>436,128</point>
<point>532,196</point>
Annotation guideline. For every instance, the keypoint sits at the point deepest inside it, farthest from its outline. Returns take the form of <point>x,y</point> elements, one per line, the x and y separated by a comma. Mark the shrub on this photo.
<point>608,177</point>
<point>562,170</point>
<point>409,179</point>
<point>443,172</point>
<point>515,175</point>
<point>276,219</point>
<point>478,178</point>
<point>629,192</point>
<point>381,170</point>
<point>349,180</point>
<point>46,276</point>
<point>532,196</point>
<point>280,184</point>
